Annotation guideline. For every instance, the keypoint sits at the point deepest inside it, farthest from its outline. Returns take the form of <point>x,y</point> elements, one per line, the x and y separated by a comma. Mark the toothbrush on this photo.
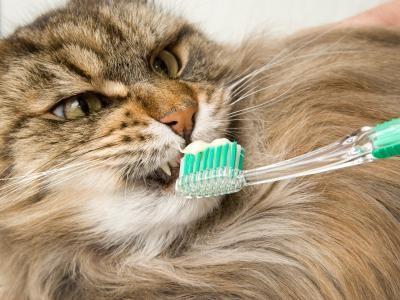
<point>218,168</point>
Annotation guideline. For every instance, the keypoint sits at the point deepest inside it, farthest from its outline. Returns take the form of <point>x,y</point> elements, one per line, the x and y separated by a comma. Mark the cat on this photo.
<point>98,96</point>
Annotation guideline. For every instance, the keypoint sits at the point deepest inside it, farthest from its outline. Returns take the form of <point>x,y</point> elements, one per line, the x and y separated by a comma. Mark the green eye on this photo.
<point>166,63</point>
<point>79,106</point>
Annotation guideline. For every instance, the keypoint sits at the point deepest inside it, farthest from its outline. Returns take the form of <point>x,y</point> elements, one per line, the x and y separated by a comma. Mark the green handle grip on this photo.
<point>386,139</point>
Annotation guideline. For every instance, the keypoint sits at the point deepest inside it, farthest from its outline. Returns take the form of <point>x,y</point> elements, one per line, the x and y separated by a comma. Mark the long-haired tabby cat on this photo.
<point>97,96</point>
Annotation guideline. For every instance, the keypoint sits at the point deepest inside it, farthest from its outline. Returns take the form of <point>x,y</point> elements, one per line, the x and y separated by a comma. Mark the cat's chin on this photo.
<point>151,218</point>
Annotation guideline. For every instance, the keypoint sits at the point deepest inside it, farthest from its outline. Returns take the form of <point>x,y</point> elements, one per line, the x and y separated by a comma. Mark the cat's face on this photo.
<point>95,99</point>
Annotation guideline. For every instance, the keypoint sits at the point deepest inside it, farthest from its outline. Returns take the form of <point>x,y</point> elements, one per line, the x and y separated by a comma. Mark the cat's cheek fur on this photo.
<point>211,120</point>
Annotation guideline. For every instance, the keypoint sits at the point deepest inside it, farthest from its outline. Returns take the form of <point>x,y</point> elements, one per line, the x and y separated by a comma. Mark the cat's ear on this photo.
<point>94,3</point>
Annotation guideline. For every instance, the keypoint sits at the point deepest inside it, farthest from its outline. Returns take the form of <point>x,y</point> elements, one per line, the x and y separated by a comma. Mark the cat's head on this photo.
<point>95,99</point>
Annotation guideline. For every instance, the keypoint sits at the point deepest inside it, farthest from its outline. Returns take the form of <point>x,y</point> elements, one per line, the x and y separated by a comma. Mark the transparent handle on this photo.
<point>356,149</point>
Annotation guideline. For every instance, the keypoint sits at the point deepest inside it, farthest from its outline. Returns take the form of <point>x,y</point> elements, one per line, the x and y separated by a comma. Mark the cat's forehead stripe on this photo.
<point>83,59</point>
<point>113,88</point>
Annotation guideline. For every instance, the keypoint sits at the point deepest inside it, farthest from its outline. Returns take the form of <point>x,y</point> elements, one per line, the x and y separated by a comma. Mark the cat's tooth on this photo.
<point>165,167</point>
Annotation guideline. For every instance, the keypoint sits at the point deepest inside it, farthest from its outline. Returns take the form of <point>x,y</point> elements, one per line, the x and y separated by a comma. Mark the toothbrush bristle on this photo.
<point>212,172</point>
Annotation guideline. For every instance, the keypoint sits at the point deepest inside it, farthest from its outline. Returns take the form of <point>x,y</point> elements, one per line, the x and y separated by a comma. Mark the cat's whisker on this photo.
<point>237,86</point>
<point>31,177</point>
<point>228,122</point>
<point>267,65</point>
<point>51,160</point>
<point>38,175</point>
<point>245,72</point>
<point>56,170</point>
<point>28,180</point>
<point>263,77</point>
<point>242,119</point>
<point>235,129</point>
<point>230,135</point>
<point>292,79</point>
<point>269,102</point>
<point>252,84</point>
<point>239,128</point>
<point>258,91</point>
<point>21,187</point>
<point>274,61</point>
<point>82,169</point>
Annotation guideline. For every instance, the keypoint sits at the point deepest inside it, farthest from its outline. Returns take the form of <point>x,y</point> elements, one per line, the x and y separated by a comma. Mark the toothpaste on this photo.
<point>199,146</point>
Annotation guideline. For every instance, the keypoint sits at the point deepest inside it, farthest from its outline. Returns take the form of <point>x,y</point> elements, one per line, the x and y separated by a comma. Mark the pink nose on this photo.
<point>181,122</point>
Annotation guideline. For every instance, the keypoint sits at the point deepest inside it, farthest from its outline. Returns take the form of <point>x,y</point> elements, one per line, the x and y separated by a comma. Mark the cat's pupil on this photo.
<point>160,66</point>
<point>83,105</point>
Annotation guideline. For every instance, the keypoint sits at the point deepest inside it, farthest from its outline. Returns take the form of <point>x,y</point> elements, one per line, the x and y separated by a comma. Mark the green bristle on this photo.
<point>232,159</point>
<point>184,166</point>
<point>217,163</point>
<point>224,155</point>
<point>211,159</point>
<point>228,156</point>
<point>238,153</point>
<point>190,163</point>
<point>197,162</point>
<point>204,161</point>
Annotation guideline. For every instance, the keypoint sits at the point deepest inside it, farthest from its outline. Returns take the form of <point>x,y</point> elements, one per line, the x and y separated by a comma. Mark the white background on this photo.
<point>223,19</point>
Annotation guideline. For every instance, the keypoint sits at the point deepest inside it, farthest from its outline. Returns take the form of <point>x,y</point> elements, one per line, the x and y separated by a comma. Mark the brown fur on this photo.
<point>331,236</point>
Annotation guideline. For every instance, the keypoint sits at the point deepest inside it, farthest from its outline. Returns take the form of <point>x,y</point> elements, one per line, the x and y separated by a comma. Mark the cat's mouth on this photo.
<point>167,173</point>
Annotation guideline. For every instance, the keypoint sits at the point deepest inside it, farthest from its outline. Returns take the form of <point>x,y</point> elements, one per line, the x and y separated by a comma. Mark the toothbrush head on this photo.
<point>386,139</point>
<point>214,171</point>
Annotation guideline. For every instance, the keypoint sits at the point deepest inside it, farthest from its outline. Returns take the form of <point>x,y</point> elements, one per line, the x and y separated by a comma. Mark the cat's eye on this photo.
<point>166,64</point>
<point>79,106</point>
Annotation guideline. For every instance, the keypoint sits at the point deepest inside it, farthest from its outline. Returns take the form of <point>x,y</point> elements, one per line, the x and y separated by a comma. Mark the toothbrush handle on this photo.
<point>354,150</point>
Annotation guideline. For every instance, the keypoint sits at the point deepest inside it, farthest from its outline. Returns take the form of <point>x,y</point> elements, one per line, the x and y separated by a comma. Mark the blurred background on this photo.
<point>225,20</point>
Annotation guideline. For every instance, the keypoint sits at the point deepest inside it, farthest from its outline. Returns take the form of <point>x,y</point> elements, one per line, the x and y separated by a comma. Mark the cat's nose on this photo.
<point>181,122</point>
